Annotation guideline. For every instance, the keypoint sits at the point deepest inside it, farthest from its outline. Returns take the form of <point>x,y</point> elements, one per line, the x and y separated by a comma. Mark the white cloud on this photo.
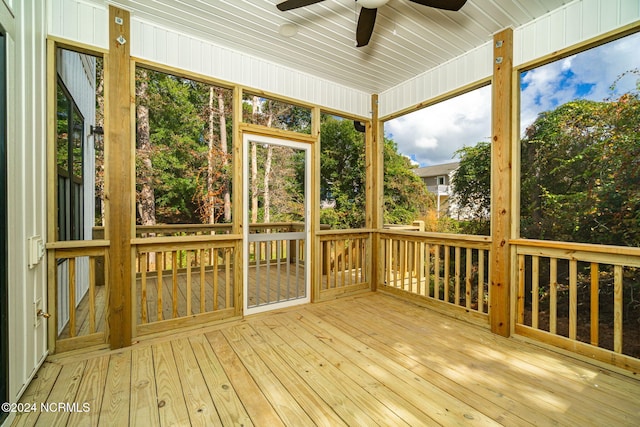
<point>587,75</point>
<point>432,135</point>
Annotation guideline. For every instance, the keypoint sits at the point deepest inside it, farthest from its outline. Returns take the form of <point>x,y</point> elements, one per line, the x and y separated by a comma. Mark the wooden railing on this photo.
<point>187,273</point>
<point>189,277</point>
<point>345,260</point>
<point>264,252</point>
<point>259,250</point>
<point>78,293</point>
<point>448,271</point>
<point>575,296</point>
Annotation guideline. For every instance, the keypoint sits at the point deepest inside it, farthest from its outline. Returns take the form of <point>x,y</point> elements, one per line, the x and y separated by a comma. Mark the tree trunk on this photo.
<point>267,176</point>
<point>267,194</point>
<point>211,200</point>
<point>146,197</point>
<point>99,138</point>
<point>225,155</point>
<point>254,170</point>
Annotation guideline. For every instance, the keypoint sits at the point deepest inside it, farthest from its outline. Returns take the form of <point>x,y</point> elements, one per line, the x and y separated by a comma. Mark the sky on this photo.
<point>432,135</point>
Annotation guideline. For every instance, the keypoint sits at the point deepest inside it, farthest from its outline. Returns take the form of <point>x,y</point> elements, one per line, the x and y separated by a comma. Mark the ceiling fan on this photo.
<point>367,18</point>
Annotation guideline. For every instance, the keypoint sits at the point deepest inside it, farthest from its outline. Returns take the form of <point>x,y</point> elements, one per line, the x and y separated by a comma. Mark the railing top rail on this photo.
<point>274,224</point>
<point>578,247</point>
<point>186,239</point>
<point>348,231</point>
<point>437,236</point>
<point>78,244</point>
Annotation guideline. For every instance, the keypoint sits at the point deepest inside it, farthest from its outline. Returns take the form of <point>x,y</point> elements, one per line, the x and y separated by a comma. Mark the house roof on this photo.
<point>436,170</point>
<point>408,38</point>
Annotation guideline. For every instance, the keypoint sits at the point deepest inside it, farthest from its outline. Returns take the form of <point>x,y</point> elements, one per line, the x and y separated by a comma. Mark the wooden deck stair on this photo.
<point>367,360</point>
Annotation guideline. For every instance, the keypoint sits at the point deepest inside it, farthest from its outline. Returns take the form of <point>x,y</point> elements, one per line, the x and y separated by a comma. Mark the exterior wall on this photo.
<point>87,23</point>
<point>26,151</point>
<point>562,28</point>
<point>77,72</point>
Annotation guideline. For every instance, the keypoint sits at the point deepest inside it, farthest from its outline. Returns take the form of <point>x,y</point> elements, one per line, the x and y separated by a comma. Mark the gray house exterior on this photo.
<point>437,178</point>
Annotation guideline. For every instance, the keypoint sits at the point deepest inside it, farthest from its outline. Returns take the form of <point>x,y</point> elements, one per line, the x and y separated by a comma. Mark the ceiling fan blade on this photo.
<point>294,4</point>
<point>442,4</point>
<point>366,21</point>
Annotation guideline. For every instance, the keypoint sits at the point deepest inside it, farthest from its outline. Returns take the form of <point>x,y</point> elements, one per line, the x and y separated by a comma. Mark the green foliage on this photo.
<point>178,113</point>
<point>178,144</point>
<point>405,195</point>
<point>179,132</point>
<point>472,187</point>
<point>343,179</point>
<point>342,173</point>
<point>580,174</point>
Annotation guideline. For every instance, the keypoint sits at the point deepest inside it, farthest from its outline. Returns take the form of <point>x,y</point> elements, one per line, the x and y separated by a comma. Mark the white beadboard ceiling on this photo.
<point>408,39</point>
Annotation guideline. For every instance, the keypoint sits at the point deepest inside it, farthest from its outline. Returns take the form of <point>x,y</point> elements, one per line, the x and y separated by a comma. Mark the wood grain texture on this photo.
<point>501,149</point>
<point>329,364</point>
<point>119,182</point>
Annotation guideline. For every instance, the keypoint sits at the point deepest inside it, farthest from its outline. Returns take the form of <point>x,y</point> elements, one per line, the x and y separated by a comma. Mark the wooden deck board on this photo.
<point>366,360</point>
<point>143,407</point>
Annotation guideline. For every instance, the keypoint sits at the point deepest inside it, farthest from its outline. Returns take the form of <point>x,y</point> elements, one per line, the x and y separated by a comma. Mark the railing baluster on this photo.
<point>188,267</point>
<point>481,280</point>
<point>349,262</point>
<point>468,284</point>
<point>143,289</point>
<point>436,272</point>
<point>228,301</point>
<point>535,290</point>
<point>203,282</point>
<point>389,260</point>
<point>521,288</point>
<point>573,299</point>
<point>553,295</point>
<point>402,262</point>
<point>174,280</point>
<point>92,295</point>
<point>595,302</point>
<point>617,307</point>
<point>159,284</point>
<point>447,271</point>
<point>216,283</point>
<point>457,275</point>
<point>72,297</point>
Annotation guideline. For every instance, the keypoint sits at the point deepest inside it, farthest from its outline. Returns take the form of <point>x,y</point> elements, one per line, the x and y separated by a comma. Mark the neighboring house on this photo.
<point>437,178</point>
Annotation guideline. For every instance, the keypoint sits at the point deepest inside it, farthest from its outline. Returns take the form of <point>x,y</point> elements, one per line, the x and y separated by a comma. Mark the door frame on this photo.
<point>4,264</point>
<point>248,137</point>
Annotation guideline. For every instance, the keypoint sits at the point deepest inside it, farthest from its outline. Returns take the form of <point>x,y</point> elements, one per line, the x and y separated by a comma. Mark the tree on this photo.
<point>342,179</point>
<point>471,185</point>
<point>580,179</point>
<point>580,174</point>
<point>144,171</point>
<point>342,173</point>
<point>405,195</point>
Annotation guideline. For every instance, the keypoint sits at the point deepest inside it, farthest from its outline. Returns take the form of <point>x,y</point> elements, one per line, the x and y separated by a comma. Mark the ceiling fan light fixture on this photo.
<point>288,30</point>
<point>372,4</point>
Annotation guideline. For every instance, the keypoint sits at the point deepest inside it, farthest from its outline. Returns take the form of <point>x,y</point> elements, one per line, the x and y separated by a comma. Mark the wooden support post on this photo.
<point>120,161</point>
<point>375,190</point>
<point>316,246</point>
<point>501,149</point>
<point>236,204</point>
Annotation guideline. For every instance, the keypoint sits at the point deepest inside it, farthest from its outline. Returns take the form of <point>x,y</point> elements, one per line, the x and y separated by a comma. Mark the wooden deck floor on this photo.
<point>362,361</point>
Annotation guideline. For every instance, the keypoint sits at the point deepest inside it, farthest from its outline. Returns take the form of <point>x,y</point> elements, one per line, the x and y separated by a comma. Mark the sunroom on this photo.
<point>120,308</point>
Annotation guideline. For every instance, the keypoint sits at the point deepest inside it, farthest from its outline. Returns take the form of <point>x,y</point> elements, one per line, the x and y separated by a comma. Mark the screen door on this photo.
<point>276,240</point>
